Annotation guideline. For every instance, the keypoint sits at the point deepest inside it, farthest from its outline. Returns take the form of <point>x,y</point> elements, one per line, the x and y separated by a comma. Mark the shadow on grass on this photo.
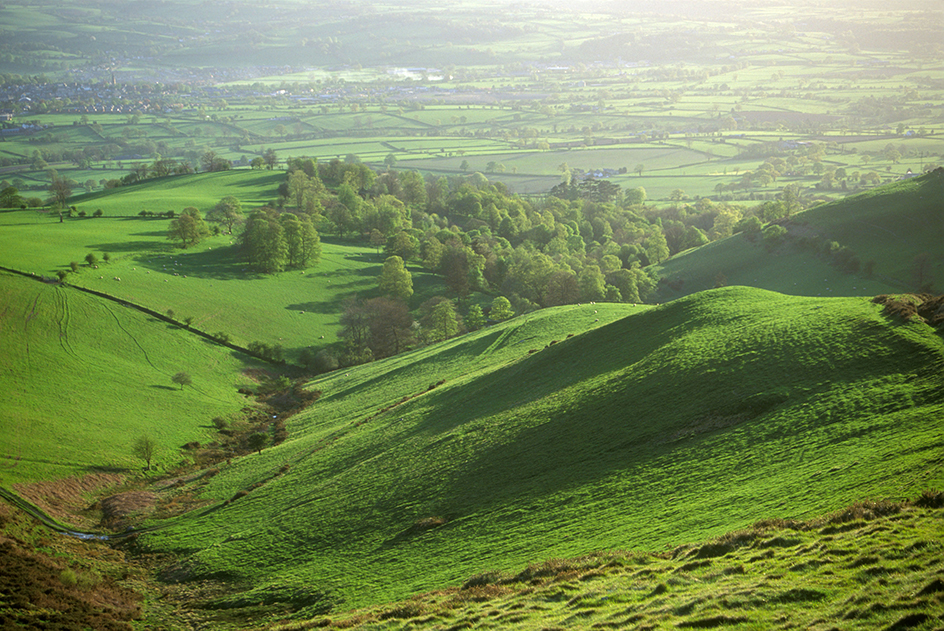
<point>159,387</point>
<point>224,263</point>
<point>323,308</point>
<point>128,246</point>
<point>106,469</point>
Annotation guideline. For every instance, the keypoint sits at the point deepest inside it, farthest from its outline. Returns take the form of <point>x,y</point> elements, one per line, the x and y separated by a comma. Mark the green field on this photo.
<point>782,407</point>
<point>295,310</point>
<point>86,378</point>
<point>757,447</point>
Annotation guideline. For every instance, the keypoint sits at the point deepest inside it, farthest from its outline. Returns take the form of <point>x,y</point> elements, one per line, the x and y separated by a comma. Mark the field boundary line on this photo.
<point>125,303</point>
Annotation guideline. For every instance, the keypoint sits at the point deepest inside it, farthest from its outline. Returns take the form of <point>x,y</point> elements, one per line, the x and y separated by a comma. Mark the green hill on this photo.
<point>87,377</point>
<point>871,565</point>
<point>885,229</point>
<point>501,448</point>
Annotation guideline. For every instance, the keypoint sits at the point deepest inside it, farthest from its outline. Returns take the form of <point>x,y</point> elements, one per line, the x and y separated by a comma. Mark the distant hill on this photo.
<point>884,240</point>
<point>520,443</point>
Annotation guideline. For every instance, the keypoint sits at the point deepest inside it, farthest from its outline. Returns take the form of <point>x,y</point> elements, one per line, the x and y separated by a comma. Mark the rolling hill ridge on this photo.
<point>670,425</point>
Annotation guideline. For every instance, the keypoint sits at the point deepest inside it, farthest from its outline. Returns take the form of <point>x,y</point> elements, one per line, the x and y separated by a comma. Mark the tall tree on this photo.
<point>501,309</point>
<point>228,211</point>
<point>60,189</point>
<point>188,228</point>
<point>440,321</point>
<point>395,279</point>
<point>302,241</point>
<point>145,448</point>
<point>591,284</point>
<point>264,241</point>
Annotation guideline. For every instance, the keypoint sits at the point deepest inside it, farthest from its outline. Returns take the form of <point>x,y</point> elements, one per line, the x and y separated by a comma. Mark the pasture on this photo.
<point>501,448</point>
<point>294,309</point>
<point>86,378</point>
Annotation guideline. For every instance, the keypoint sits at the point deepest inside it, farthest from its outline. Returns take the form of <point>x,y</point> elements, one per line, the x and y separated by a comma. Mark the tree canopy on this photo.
<point>188,228</point>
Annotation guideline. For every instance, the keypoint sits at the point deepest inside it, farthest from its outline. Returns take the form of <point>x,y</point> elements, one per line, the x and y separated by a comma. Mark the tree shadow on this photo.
<point>222,263</point>
<point>159,387</point>
<point>129,246</point>
<point>106,469</point>
<point>323,308</point>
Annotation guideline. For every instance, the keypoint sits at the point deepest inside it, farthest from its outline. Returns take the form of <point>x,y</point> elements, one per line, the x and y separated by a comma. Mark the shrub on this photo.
<point>98,213</point>
<point>428,523</point>
<point>930,498</point>
<point>219,423</point>
<point>74,265</point>
<point>68,578</point>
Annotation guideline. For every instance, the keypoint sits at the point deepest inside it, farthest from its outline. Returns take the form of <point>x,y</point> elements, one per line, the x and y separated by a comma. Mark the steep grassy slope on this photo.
<point>660,427</point>
<point>869,566</point>
<point>888,226</point>
<point>84,378</point>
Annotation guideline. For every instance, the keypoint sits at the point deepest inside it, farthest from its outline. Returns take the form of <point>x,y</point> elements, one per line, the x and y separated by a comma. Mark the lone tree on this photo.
<point>257,441</point>
<point>183,379</point>
<point>144,448</point>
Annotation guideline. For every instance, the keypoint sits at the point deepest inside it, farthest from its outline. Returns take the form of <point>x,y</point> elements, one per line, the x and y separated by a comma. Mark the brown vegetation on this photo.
<point>71,584</point>
<point>925,307</point>
<point>69,499</point>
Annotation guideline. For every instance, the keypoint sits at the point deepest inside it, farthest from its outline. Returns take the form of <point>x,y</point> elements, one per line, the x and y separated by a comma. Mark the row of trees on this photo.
<point>384,326</point>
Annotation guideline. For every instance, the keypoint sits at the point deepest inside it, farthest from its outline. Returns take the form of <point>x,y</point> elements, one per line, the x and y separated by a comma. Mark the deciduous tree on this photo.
<point>395,279</point>
<point>182,379</point>
<point>189,228</point>
<point>145,448</point>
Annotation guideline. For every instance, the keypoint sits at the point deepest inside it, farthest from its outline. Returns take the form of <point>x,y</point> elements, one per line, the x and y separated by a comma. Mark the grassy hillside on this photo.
<point>871,565</point>
<point>888,226</point>
<point>648,428</point>
<point>84,378</point>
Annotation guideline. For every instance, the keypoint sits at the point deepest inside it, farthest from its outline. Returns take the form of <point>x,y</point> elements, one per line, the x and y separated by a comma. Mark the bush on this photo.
<point>68,578</point>
<point>74,265</point>
<point>219,423</point>
<point>266,351</point>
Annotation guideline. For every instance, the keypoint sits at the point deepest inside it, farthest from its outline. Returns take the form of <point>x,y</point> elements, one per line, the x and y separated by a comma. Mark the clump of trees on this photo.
<point>189,228</point>
<point>269,352</point>
<point>275,241</point>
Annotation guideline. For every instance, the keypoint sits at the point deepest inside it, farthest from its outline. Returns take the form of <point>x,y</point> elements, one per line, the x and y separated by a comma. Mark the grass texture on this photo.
<point>645,429</point>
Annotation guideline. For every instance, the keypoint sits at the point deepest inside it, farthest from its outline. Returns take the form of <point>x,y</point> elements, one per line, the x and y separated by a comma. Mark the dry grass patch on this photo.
<point>67,499</point>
